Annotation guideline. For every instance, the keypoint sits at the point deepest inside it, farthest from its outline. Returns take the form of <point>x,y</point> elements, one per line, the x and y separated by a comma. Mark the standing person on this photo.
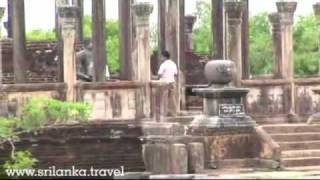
<point>168,72</point>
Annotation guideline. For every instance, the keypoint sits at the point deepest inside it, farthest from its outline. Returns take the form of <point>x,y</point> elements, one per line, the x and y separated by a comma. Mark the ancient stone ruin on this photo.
<point>227,118</point>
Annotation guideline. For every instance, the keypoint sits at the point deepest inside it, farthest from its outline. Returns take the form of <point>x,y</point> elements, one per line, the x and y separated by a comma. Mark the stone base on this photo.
<point>223,123</point>
<point>314,118</point>
<point>293,118</point>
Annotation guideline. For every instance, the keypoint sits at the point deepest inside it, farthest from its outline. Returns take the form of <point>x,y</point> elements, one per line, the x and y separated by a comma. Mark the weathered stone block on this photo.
<point>134,175</point>
<point>196,157</point>
<point>156,158</point>
<point>172,176</point>
<point>179,159</point>
<point>162,158</point>
<point>314,119</point>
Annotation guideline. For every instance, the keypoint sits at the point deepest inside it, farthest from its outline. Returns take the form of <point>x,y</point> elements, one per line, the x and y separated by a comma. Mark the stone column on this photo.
<point>245,41</point>
<point>9,22</point>
<point>99,40</point>
<point>59,3</point>
<point>19,40</point>
<point>277,49</point>
<point>217,26</point>
<point>79,30</point>
<point>68,15</point>
<point>189,23</point>
<point>234,11</point>
<point>2,9</point>
<point>125,21</point>
<point>142,69</point>
<point>162,4</point>
<point>316,9</point>
<point>286,11</point>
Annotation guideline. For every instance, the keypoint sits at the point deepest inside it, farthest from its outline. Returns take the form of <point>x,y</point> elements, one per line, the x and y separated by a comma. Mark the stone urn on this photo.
<point>223,107</point>
<point>220,71</point>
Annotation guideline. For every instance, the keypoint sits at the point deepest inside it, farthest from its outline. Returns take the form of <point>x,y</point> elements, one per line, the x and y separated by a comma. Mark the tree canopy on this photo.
<point>305,37</point>
<point>306,40</point>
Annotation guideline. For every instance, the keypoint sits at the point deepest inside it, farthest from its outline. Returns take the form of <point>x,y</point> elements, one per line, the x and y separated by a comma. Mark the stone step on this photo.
<point>285,146</point>
<point>303,168</point>
<point>296,137</point>
<point>301,161</point>
<point>301,153</point>
<point>291,128</point>
<point>238,163</point>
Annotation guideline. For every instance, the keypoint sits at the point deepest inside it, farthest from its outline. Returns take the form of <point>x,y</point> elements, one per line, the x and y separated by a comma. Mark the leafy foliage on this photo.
<point>37,114</point>
<point>306,52</point>
<point>202,36</point>
<point>112,41</point>
<point>41,35</point>
<point>261,47</point>
<point>306,41</point>
<point>23,160</point>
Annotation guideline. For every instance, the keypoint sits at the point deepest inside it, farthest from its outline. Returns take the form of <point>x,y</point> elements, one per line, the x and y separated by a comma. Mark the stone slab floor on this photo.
<point>264,174</point>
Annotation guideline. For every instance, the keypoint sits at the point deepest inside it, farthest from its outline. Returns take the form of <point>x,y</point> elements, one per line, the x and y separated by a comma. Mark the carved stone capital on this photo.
<point>234,9</point>
<point>189,21</point>
<point>274,19</point>
<point>68,15</point>
<point>316,10</point>
<point>1,12</point>
<point>286,10</point>
<point>142,11</point>
<point>68,11</point>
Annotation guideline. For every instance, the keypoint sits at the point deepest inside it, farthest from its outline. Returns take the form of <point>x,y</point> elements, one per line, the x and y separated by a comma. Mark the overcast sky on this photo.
<point>40,13</point>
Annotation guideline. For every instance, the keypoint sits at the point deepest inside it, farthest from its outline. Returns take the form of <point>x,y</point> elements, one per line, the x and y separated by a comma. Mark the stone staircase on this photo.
<point>299,144</point>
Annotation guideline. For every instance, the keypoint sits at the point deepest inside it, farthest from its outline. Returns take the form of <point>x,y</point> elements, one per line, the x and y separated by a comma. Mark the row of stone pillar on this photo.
<point>141,66</point>
<point>16,29</point>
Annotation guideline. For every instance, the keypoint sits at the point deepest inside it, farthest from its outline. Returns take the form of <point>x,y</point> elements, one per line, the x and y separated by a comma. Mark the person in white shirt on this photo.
<point>168,72</point>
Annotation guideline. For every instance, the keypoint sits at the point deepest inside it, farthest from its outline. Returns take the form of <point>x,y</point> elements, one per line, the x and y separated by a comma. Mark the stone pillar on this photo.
<point>19,39</point>
<point>277,49</point>
<point>286,11</point>
<point>189,23</point>
<point>9,22</point>
<point>68,15</point>
<point>196,157</point>
<point>79,27</point>
<point>99,40</point>
<point>316,9</point>
<point>125,21</point>
<point>142,69</point>
<point>59,3</point>
<point>163,158</point>
<point>245,41</point>
<point>179,159</point>
<point>2,9</point>
<point>218,28</point>
<point>162,4</point>
<point>234,11</point>
<point>172,19</point>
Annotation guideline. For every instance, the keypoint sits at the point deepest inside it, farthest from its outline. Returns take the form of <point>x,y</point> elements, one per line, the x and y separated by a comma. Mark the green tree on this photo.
<point>41,35</point>
<point>260,44</point>
<point>37,114</point>
<point>306,52</point>
<point>112,41</point>
<point>202,36</point>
